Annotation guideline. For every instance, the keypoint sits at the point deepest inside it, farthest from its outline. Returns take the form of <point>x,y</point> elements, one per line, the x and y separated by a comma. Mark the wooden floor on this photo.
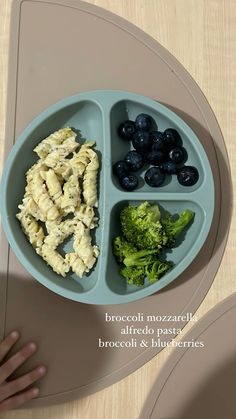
<point>202,36</point>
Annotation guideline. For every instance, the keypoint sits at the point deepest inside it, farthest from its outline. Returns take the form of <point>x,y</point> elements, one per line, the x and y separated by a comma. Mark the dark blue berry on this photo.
<point>157,140</point>
<point>171,138</point>
<point>155,157</point>
<point>188,176</point>
<point>143,122</point>
<point>129,182</point>
<point>141,141</point>
<point>126,130</point>
<point>120,168</point>
<point>134,160</point>
<point>154,177</point>
<point>178,154</point>
<point>169,167</point>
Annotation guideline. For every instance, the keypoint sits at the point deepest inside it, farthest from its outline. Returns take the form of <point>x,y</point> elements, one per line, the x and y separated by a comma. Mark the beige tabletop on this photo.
<point>201,34</point>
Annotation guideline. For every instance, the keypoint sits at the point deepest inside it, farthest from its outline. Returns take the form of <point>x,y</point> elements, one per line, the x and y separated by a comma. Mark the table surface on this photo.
<point>201,34</point>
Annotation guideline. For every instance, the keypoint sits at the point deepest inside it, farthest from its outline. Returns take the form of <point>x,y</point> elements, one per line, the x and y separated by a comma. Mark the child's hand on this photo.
<point>14,393</point>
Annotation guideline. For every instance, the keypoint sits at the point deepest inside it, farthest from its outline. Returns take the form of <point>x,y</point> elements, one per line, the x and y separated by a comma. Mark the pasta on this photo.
<point>30,207</point>
<point>90,180</point>
<point>61,193</point>
<point>50,225</point>
<point>42,198</point>
<point>80,160</point>
<point>76,264</point>
<point>55,139</point>
<point>54,186</point>
<point>32,229</point>
<point>86,214</point>
<point>60,232</point>
<point>83,247</point>
<point>60,265</point>
<point>71,197</point>
<point>63,169</point>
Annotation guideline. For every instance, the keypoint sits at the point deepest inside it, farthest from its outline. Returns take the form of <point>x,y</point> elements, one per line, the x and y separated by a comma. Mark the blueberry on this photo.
<point>154,177</point>
<point>143,122</point>
<point>141,141</point>
<point>169,167</point>
<point>134,160</point>
<point>120,168</point>
<point>155,157</point>
<point>129,182</point>
<point>126,130</point>
<point>178,154</point>
<point>171,138</point>
<point>188,176</point>
<point>157,140</point>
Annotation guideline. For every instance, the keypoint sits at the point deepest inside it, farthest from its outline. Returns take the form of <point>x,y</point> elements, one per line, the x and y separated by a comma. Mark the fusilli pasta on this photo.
<point>59,186</point>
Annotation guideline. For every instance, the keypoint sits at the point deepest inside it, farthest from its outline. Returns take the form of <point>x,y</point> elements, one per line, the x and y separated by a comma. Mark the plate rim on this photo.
<point>120,95</point>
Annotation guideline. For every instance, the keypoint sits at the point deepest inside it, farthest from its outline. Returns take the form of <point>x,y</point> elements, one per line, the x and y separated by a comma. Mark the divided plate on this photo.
<point>97,115</point>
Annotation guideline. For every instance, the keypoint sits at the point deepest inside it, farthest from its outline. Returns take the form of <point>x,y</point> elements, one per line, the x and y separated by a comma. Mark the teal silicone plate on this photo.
<point>97,115</point>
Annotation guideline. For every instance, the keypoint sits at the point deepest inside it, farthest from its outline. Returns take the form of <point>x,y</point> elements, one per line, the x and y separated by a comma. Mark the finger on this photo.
<point>16,360</point>
<point>19,399</point>
<point>8,343</point>
<point>21,383</point>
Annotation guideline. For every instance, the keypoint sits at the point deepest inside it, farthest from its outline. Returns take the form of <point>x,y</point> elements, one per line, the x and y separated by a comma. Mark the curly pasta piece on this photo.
<point>42,199</point>
<point>53,186</point>
<point>90,188</point>
<point>61,152</point>
<point>83,247</point>
<point>63,169</point>
<point>29,206</point>
<point>60,265</point>
<point>94,163</point>
<point>90,180</point>
<point>60,232</point>
<point>31,228</point>
<point>55,139</point>
<point>76,264</point>
<point>36,168</point>
<point>71,197</point>
<point>85,213</point>
<point>50,225</point>
<point>81,159</point>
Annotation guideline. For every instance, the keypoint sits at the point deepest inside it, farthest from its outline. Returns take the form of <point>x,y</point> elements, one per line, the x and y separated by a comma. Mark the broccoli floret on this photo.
<point>173,227</point>
<point>153,271</point>
<point>145,234</point>
<point>122,249</point>
<point>134,274</point>
<point>141,226</point>
<point>141,258</point>
<point>157,269</point>
<point>129,255</point>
